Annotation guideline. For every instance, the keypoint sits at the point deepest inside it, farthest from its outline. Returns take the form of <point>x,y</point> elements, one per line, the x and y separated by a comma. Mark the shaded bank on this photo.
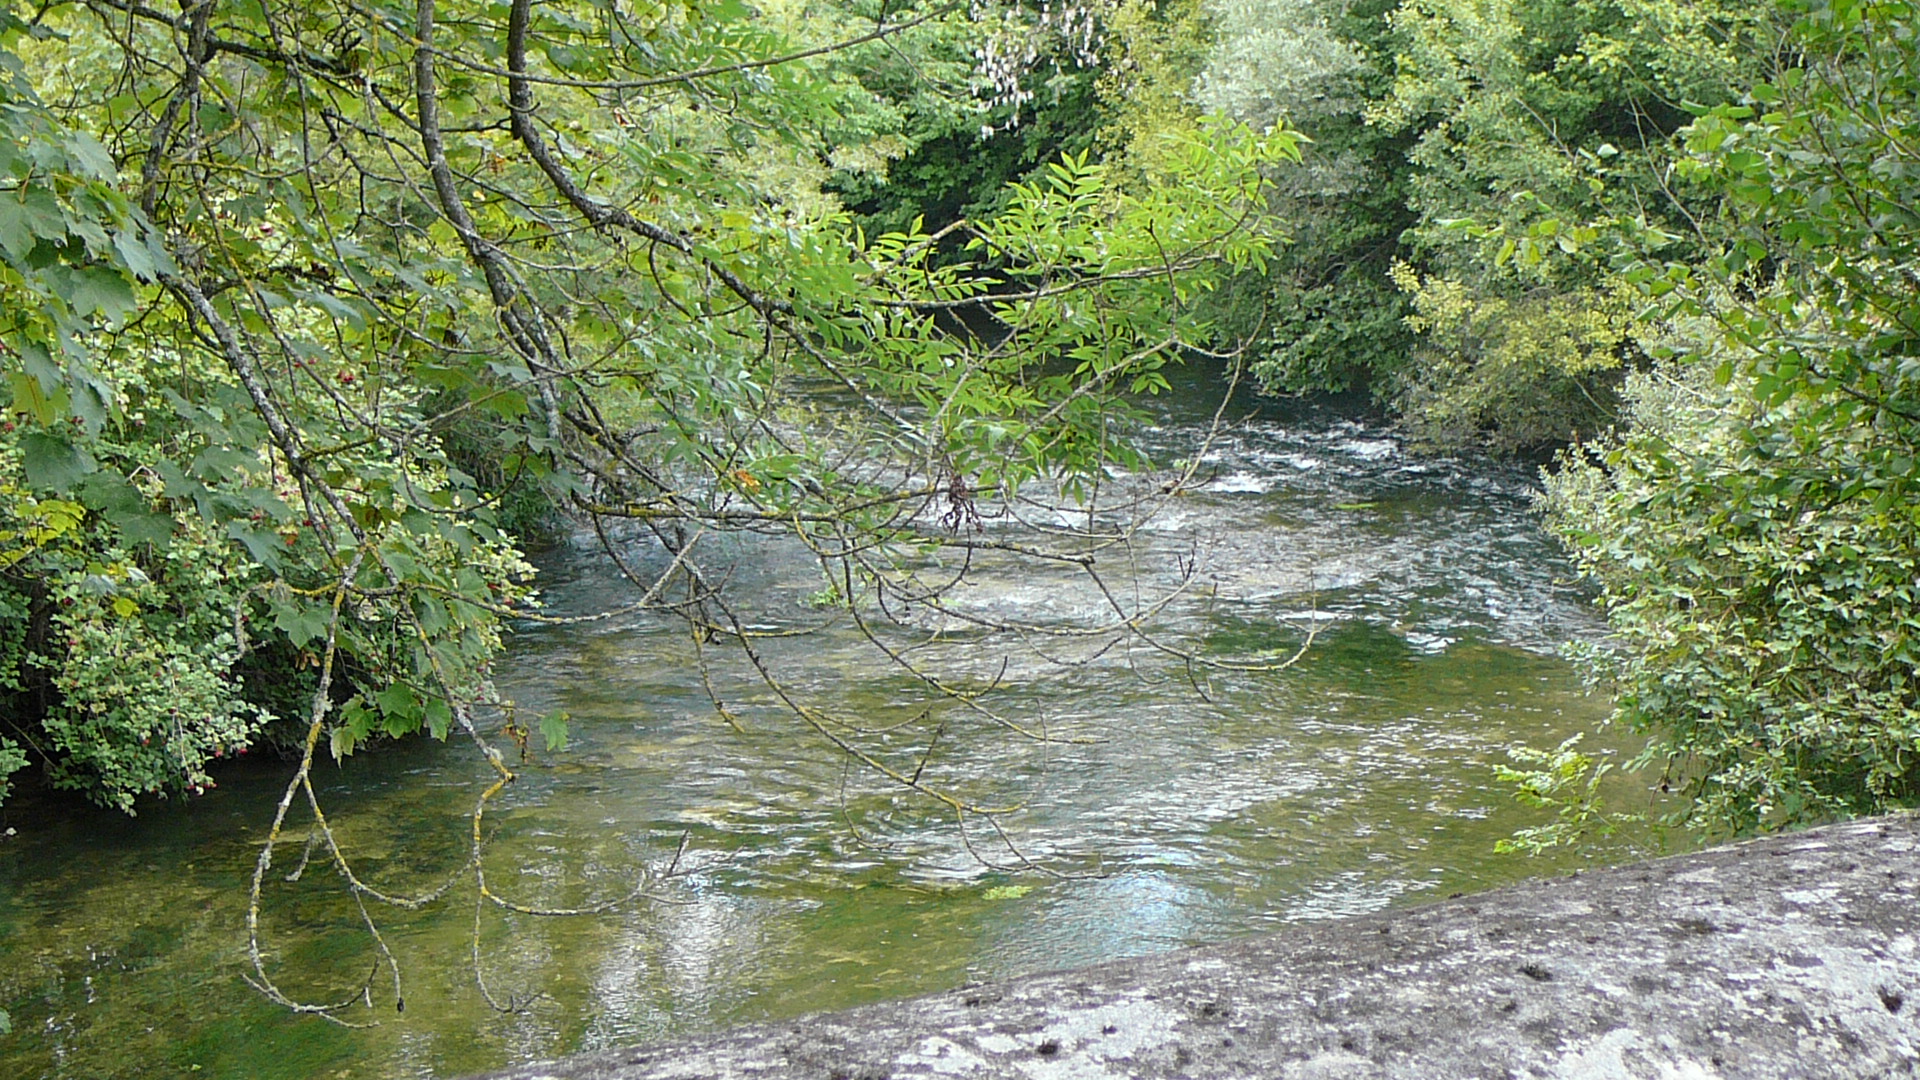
<point>1792,955</point>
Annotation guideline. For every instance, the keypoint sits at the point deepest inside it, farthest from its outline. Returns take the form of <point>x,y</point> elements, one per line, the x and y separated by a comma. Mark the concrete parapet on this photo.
<point>1792,956</point>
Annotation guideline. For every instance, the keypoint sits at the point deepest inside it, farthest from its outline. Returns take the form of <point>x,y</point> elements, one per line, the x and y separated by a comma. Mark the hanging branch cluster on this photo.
<point>396,264</point>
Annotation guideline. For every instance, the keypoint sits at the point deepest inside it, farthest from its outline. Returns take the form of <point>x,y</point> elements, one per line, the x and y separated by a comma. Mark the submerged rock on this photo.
<point>1789,956</point>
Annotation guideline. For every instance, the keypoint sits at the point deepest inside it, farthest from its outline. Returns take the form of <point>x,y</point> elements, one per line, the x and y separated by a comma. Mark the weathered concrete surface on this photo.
<point>1788,957</point>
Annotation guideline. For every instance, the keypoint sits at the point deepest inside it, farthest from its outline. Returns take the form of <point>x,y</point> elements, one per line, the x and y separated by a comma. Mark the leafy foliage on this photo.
<point>1754,529</point>
<point>1326,316</point>
<point>1531,116</point>
<point>1567,781</point>
<point>1276,60</point>
<point>1547,170</point>
<point>1443,127</point>
<point>135,658</point>
<point>301,305</point>
<point>1767,629</point>
<point>949,156</point>
<point>1513,373</point>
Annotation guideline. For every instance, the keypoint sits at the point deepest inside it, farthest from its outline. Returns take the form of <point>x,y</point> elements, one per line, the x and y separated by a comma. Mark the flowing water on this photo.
<point>1175,808</point>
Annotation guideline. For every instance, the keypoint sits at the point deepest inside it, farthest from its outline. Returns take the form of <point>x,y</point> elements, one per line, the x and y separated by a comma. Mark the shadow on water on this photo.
<point>1357,780</point>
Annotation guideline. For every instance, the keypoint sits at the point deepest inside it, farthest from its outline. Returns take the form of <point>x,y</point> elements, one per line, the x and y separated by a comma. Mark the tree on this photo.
<point>1032,71</point>
<point>1754,529</point>
<point>1326,315</point>
<point>281,279</point>
<point>1446,127</point>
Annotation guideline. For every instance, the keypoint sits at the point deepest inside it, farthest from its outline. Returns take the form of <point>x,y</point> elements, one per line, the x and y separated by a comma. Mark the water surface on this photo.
<point>1165,808</point>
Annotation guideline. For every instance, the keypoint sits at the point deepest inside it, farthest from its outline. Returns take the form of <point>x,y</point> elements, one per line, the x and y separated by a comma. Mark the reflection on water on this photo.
<point>1357,780</point>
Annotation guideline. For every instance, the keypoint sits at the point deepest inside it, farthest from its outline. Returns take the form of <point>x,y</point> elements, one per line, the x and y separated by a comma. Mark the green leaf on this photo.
<point>122,506</point>
<point>16,232</point>
<point>263,546</point>
<point>553,728</point>
<point>52,463</point>
<point>334,306</point>
<point>221,462</point>
<point>94,159</point>
<point>398,702</point>
<point>138,256</point>
<point>30,398</point>
<point>41,216</point>
<point>439,718</point>
<point>302,622</point>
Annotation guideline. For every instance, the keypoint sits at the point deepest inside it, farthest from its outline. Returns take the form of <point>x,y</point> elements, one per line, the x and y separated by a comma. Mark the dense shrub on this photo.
<point>138,645</point>
<point>1756,525</point>
<point>1767,621</point>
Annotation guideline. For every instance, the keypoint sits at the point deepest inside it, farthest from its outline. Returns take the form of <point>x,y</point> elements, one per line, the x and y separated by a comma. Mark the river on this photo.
<point>1161,812</point>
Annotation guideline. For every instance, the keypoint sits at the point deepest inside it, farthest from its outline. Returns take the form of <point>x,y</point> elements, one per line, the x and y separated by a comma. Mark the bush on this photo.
<point>1516,373</point>
<point>1755,528</point>
<point>138,645</point>
<point>120,668</point>
<point>1767,623</point>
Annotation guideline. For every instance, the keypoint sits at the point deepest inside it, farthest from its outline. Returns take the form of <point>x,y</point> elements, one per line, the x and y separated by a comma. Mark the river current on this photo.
<point>1163,809</point>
